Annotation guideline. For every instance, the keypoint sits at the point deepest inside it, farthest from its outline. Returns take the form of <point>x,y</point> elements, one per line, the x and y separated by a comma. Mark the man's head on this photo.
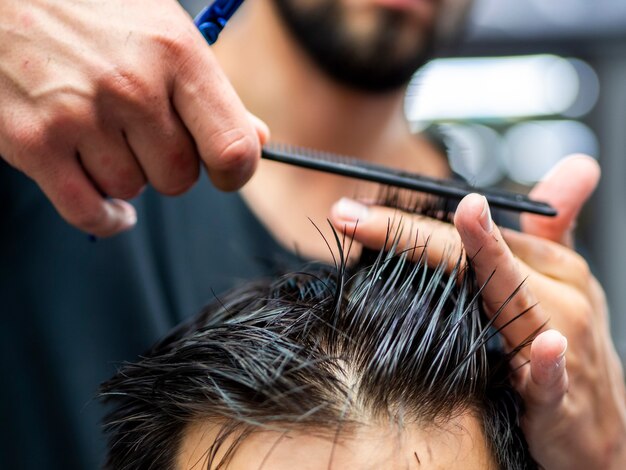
<point>374,45</point>
<point>385,365</point>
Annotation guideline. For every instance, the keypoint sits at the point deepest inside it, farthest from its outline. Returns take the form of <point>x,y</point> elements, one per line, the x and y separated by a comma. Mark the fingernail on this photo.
<point>126,213</point>
<point>564,349</point>
<point>130,218</point>
<point>349,210</point>
<point>485,217</point>
<point>560,359</point>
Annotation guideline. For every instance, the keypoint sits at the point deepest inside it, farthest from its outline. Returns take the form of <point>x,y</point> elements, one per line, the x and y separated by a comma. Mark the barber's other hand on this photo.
<point>573,386</point>
<point>101,97</point>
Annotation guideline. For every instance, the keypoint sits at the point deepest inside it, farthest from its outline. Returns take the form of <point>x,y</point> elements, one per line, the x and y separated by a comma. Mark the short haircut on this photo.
<point>321,349</point>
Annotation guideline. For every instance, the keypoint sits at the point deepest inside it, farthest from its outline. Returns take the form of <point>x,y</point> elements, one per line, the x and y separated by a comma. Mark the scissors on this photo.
<point>214,17</point>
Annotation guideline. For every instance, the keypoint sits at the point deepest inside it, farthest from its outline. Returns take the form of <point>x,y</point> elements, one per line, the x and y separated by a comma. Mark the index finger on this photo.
<point>378,227</point>
<point>506,293</point>
<point>228,141</point>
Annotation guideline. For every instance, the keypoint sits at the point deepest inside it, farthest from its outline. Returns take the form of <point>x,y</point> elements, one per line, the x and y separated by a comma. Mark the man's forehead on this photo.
<point>457,444</point>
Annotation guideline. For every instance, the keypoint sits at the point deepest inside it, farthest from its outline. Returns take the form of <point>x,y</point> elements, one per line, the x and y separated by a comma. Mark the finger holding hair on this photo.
<point>377,227</point>
<point>547,381</point>
<point>519,315</point>
<point>544,387</point>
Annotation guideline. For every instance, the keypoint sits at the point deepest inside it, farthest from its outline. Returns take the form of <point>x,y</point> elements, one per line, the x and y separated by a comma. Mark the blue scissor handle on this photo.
<point>213,18</point>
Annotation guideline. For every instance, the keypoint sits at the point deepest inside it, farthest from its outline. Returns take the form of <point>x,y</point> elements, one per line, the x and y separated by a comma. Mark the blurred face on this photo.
<point>458,445</point>
<point>372,45</point>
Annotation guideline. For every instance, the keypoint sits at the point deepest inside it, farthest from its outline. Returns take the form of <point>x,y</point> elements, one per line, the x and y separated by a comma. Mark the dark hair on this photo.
<point>389,337</point>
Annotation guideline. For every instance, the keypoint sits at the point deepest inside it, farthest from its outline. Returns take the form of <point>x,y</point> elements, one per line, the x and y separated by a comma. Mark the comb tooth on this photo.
<point>313,153</point>
<point>326,156</point>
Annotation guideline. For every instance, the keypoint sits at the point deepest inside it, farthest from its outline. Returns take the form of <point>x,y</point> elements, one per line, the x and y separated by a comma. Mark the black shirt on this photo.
<point>71,309</point>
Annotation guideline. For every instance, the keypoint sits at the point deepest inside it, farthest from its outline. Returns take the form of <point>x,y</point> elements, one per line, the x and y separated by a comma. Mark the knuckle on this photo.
<point>579,265</point>
<point>176,46</point>
<point>581,322</point>
<point>125,192</point>
<point>581,326</point>
<point>40,132</point>
<point>123,187</point>
<point>28,146</point>
<point>551,254</point>
<point>128,86</point>
<point>567,261</point>
<point>28,137</point>
<point>234,149</point>
<point>231,158</point>
<point>175,189</point>
<point>63,123</point>
<point>182,170</point>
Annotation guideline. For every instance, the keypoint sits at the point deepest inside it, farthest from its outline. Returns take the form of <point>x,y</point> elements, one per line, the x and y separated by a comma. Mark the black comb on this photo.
<point>355,168</point>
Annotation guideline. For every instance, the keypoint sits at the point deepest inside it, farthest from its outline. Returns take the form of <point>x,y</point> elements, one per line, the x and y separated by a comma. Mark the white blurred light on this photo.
<point>533,148</point>
<point>474,151</point>
<point>484,88</point>
<point>589,89</point>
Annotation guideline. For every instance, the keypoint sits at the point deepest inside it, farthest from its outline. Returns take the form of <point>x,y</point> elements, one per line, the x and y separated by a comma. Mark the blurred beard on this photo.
<point>378,63</point>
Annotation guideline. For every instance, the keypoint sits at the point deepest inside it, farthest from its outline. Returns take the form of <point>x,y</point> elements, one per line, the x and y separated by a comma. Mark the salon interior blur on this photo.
<point>531,83</point>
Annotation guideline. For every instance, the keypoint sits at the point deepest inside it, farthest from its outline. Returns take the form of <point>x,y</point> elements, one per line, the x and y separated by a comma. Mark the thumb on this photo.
<point>566,187</point>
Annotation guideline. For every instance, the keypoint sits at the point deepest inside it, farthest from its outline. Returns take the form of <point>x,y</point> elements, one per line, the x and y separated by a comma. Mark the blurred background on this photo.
<point>532,82</point>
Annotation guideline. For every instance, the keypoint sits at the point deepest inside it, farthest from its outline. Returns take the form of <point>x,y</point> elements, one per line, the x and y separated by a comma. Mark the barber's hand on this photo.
<point>573,388</point>
<point>102,97</point>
